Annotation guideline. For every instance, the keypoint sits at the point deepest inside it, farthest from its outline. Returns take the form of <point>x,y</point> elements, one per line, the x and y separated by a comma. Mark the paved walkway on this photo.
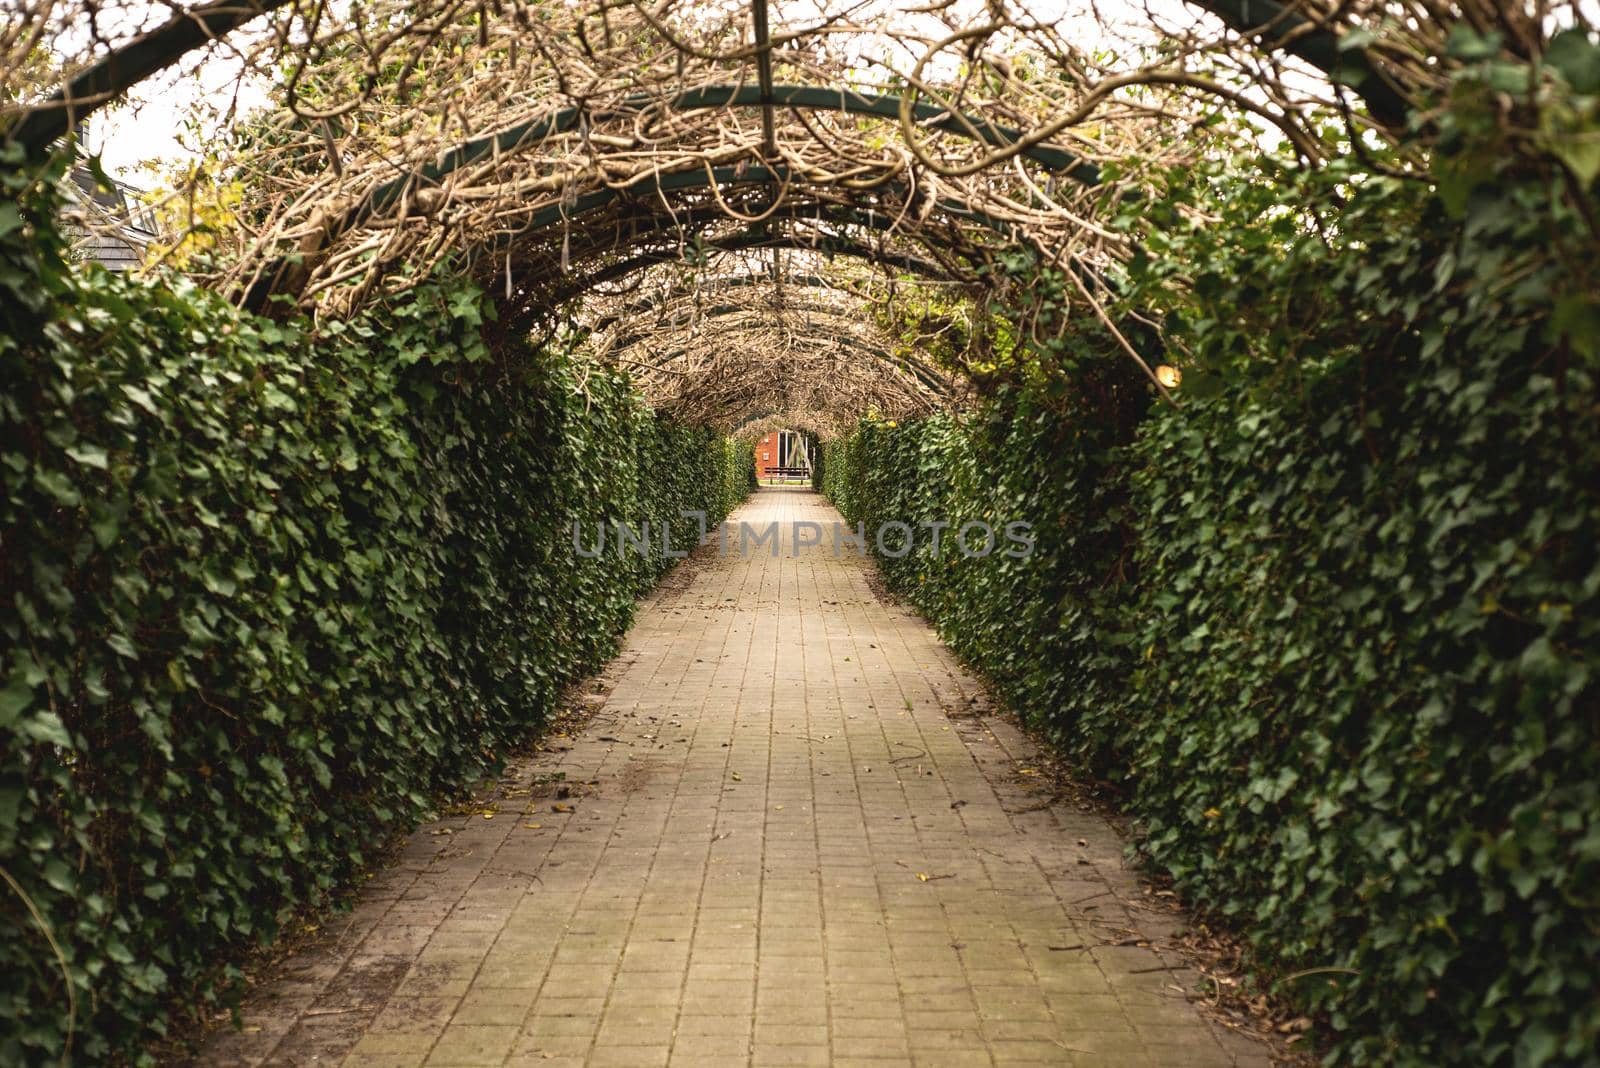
<point>792,835</point>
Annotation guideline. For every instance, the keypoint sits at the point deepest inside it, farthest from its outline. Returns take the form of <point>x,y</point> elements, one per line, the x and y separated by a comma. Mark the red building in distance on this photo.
<point>783,455</point>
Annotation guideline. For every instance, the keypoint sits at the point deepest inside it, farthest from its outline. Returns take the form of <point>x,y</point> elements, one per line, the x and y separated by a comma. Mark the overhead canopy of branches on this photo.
<point>559,150</point>
<point>782,339</point>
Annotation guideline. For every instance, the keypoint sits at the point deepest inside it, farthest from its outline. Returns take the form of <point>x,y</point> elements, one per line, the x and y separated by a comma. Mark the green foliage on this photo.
<point>1365,714</point>
<point>268,593</point>
<point>1369,616</point>
<point>1335,624</point>
<point>1040,454</point>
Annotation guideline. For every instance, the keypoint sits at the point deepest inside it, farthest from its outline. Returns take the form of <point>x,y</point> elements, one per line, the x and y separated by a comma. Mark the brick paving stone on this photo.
<point>806,843</point>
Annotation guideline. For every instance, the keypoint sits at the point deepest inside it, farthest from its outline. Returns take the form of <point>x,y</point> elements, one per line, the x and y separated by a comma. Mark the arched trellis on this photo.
<point>727,179</point>
<point>549,200</point>
<point>637,225</point>
<point>765,279</point>
<point>817,98</point>
<point>695,335</point>
<point>750,238</point>
<point>828,373</point>
<point>872,208</point>
<point>687,223</point>
<point>758,424</point>
<point>694,317</point>
<point>936,390</point>
<point>837,325</point>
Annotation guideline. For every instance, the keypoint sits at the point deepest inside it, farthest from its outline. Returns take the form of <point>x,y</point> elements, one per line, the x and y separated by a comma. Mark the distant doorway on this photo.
<point>783,458</point>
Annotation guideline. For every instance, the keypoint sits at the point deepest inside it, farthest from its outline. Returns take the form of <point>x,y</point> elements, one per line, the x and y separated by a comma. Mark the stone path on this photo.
<point>792,835</point>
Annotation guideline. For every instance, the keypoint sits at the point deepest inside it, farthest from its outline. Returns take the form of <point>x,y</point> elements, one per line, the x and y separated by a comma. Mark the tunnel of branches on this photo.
<point>737,211</point>
<point>1278,319</point>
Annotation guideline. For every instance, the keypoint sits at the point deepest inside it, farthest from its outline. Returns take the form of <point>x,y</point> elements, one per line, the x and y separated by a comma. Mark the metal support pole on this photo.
<point>769,138</point>
<point>769,132</point>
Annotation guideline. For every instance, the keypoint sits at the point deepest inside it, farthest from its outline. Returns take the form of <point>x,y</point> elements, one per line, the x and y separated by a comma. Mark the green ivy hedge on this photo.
<point>1335,624</point>
<point>1036,453</point>
<point>267,593</point>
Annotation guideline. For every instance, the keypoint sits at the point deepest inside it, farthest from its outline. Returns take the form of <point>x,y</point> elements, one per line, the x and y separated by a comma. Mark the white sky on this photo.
<point>150,126</point>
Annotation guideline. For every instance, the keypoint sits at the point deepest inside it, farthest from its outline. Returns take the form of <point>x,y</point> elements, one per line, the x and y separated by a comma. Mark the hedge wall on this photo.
<point>267,593</point>
<point>1038,454</point>
<point>1336,627</point>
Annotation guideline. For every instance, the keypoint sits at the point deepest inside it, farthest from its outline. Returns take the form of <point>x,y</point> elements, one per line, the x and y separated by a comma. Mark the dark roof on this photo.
<point>109,226</point>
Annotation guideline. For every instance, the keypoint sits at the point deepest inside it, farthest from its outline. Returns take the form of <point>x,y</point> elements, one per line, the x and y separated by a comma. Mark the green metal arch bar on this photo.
<point>838,215</point>
<point>690,217</point>
<point>887,106</point>
<point>853,343</point>
<point>921,372</point>
<point>1300,37</point>
<point>717,311</point>
<point>721,177</point>
<point>757,235</point>
<point>835,214</point>
<point>799,281</point>
<point>717,96</point>
<point>762,234</point>
<point>711,96</point>
<point>753,237</point>
<point>842,342</point>
<point>770,413</point>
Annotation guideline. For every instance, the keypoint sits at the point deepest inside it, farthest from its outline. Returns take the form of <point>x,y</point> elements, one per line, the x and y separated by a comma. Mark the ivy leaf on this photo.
<point>1465,43</point>
<point>59,875</point>
<point>47,727</point>
<point>1576,320</point>
<point>218,583</point>
<point>89,455</point>
<point>1358,38</point>
<point>14,700</point>
<point>58,486</point>
<point>1577,58</point>
<point>1581,153</point>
